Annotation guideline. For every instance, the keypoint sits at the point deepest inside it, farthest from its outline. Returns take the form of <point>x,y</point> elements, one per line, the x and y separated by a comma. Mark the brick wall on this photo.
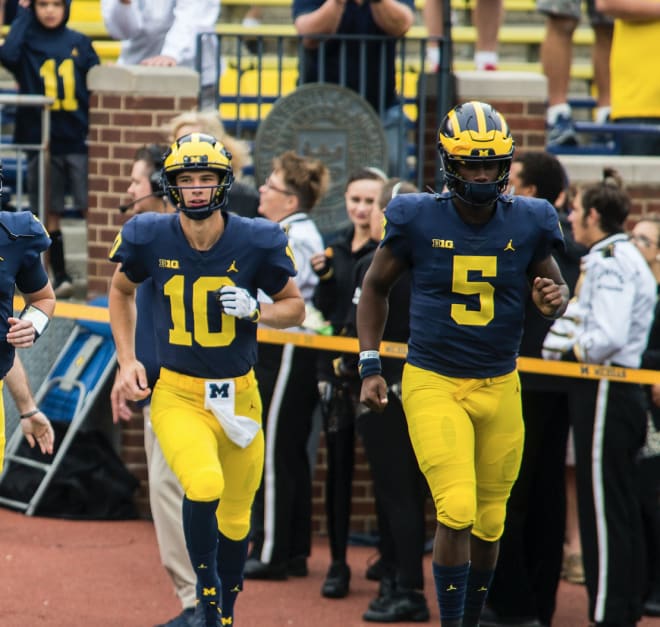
<point>129,107</point>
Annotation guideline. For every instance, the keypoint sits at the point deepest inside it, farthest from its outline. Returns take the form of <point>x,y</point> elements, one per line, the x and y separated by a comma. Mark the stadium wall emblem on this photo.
<point>328,122</point>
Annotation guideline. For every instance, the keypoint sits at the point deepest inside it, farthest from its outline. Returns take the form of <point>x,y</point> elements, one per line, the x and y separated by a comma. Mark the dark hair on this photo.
<point>306,177</point>
<point>545,172</point>
<point>395,187</point>
<point>368,173</point>
<point>609,199</point>
<point>153,155</point>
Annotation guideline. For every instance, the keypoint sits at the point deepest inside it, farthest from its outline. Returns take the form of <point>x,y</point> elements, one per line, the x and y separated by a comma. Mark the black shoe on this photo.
<point>401,606</point>
<point>385,592</point>
<point>652,606</point>
<point>336,581</point>
<point>63,286</point>
<point>377,570</point>
<point>185,619</point>
<point>254,569</point>
<point>206,615</point>
<point>297,566</point>
<point>489,618</point>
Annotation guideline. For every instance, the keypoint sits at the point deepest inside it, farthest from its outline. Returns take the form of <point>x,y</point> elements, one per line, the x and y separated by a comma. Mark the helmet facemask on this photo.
<point>198,152</point>
<point>475,133</point>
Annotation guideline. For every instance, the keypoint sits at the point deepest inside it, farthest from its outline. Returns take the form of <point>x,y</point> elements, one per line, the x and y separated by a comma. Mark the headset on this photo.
<point>156,154</point>
<point>152,154</point>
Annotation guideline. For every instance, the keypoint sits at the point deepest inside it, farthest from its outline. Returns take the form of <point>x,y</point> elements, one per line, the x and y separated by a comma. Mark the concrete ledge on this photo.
<point>638,171</point>
<point>500,85</point>
<point>142,80</point>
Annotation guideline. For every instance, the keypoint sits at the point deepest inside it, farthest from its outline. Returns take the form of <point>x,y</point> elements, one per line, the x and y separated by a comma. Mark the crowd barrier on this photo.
<point>396,349</point>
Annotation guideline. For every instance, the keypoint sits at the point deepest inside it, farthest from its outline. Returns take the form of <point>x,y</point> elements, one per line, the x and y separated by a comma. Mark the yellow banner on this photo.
<point>392,349</point>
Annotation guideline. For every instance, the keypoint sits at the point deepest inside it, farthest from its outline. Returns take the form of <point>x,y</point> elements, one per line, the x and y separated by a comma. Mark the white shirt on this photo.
<point>610,317</point>
<point>305,241</point>
<point>148,28</point>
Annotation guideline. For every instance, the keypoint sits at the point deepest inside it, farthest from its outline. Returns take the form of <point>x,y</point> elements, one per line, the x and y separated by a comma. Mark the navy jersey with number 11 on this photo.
<point>470,282</point>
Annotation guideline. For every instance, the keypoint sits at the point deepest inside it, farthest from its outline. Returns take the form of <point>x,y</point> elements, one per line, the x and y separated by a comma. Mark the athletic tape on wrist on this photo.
<point>37,317</point>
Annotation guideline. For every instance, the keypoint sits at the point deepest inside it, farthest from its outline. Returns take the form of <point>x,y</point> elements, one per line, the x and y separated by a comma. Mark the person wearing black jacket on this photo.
<point>646,235</point>
<point>399,486</point>
<point>526,579</point>
<point>335,268</point>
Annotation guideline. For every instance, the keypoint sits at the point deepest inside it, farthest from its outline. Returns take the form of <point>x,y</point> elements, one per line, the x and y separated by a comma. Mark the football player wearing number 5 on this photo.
<point>206,265</point>
<point>475,257</point>
<point>49,59</point>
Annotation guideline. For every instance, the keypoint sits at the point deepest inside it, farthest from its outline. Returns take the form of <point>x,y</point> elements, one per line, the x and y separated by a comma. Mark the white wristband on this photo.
<point>37,317</point>
<point>369,355</point>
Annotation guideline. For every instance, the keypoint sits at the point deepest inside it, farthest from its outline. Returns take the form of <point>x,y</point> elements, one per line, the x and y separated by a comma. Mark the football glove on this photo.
<point>237,301</point>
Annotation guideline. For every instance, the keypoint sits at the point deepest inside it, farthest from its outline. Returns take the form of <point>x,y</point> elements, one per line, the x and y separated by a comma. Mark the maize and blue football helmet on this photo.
<point>475,132</point>
<point>198,151</point>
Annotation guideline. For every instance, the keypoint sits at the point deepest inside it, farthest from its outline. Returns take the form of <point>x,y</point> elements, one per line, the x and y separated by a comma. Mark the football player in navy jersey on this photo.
<point>22,240</point>
<point>474,257</point>
<point>206,265</point>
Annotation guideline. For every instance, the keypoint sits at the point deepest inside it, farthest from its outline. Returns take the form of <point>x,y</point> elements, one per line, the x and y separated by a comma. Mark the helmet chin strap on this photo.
<point>478,194</point>
<point>197,215</point>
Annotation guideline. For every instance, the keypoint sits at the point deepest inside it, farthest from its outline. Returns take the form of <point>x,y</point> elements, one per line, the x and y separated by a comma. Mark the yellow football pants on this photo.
<point>468,437</point>
<point>208,465</point>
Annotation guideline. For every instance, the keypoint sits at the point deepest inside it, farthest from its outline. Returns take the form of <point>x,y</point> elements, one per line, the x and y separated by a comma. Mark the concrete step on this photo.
<point>74,233</point>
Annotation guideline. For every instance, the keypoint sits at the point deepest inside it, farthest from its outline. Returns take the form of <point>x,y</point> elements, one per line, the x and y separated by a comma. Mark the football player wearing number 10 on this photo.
<point>206,265</point>
<point>475,257</point>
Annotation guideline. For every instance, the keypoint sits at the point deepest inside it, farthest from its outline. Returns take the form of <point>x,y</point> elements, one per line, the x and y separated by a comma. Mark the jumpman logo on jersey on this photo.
<point>483,589</point>
<point>232,267</point>
<point>252,406</point>
<point>509,246</point>
<point>237,588</point>
<point>451,588</point>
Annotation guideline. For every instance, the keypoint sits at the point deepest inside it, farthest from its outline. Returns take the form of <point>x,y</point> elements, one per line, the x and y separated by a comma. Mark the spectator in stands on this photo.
<point>243,197</point>
<point>165,491</point>
<point>334,293</point>
<point>282,510</point>
<point>635,88</point>
<point>487,19</point>
<point>526,579</point>
<point>338,61</point>
<point>608,322</point>
<point>47,58</point>
<point>399,487</point>
<point>646,235</point>
<point>164,33</point>
<point>562,18</point>
<point>206,407</point>
<point>8,11</point>
<point>35,425</point>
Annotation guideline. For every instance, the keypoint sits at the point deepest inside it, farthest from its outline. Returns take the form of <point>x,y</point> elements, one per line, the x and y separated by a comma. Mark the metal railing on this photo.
<point>255,72</point>
<point>19,151</point>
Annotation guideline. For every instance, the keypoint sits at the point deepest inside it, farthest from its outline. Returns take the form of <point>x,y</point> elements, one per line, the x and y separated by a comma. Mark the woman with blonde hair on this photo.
<point>243,197</point>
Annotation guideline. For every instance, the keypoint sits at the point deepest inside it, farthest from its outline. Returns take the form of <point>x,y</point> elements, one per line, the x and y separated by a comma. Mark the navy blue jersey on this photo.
<point>22,240</point>
<point>50,62</point>
<point>357,19</point>
<point>469,282</point>
<point>193,336</point>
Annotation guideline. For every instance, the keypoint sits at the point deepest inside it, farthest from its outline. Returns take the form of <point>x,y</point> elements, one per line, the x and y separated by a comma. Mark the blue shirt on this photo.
<point>378,83</point>
<point>50,62</point>
<point>469,282</point>
<point>22,240</point>
<point>192,335</point>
